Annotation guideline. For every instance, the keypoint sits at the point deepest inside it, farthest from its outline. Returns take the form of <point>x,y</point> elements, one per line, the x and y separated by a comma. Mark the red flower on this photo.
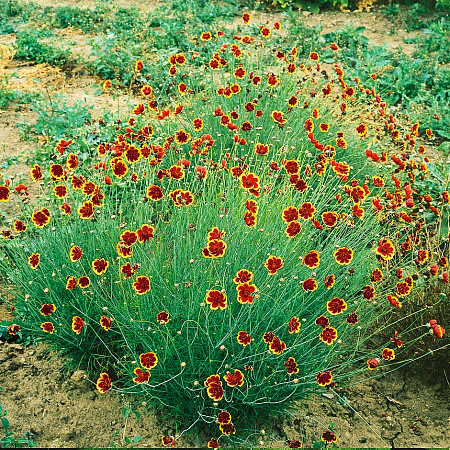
<point>139,109</point>
<point>295,444</point>
<point>86,211</point>
<point>438,331</point>
<point>265,32</point>
<point>293,229</point>
<point>148,360</point>
<point>243,338</point>
<point>100,266</point>
<point>227,429</point>
<point>163,317</point>
<point>223,417</point>
<point>57,171</point>
<point>104,383</point>
<point>237,379</point>
<point>216,299</point>
<point>34,260</point>
<point>141,285</point>
<point>336,306</point>
<point>322,321</point>
<point>20,227</point>
<point>268,337</point>
<point>352,318</point>
<point>47,309</point>
<point>372,363</point>
<point>13,329</point>
<point>75,253</point>
<point>328,335</point>
<point>312,259</point>
<point>244,291</point>
<point>261,149</point>
<point>168,440</point>
<point>388,354</point>
<point>246,17</point>
<point>119,167</point>
<point>129,237</point>
<point>250,219</point>
<point>343,256</point>
<point>250,181</point>
<point>77,324</point>
<point>243,276</point>
<point>215,234</point>
<point>385,249</point>
<point>123,250</point>
<point>213,443</point>
<point>277,116</point>
<point>329,281</point>
<point>293,101</point>
<point>276,346</point>
<point>215,249</point>
<point>307,211</point>
<point>309,125</point>
<point>60,191</point>
<point>394,301</point>
<point>41,218</point>
<point>206,36</point>
<point>146,90</point>
<point>48,327</point>
<point>145,233</point>
<point>291,366</point>
<point>314,56</point>
<point>294,325</point>
<point>154,193</point>
<point>292,167</point>
<point>273,264</point>
<point>105,322</point>
<point>330,218</point>
<point>36,173</point>
<point>368,292</point>
<point>376,275</point>
<point>84,282</point>
<point>138,65</point>
<point>290,214</point>
<point>328,437</point>
<point>71,283</point>
<point>403,289</point>
<point>141,376</point>
<point>362,130</point>
<point>214,388</point>
<point>324,378</point>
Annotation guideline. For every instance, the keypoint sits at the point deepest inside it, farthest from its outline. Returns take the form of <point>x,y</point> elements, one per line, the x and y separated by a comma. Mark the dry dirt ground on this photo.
<point>406,408</point>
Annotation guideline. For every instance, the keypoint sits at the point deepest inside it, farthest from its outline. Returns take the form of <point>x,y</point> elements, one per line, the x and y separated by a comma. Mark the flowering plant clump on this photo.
<point>234,247</point>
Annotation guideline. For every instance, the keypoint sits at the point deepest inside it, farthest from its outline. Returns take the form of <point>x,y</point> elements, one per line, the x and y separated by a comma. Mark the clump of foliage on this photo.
<point>31,47</point>
<point>246,238</point>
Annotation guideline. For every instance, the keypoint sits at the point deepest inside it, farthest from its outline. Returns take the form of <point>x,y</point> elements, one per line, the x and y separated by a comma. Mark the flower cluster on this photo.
<point>255,180</point>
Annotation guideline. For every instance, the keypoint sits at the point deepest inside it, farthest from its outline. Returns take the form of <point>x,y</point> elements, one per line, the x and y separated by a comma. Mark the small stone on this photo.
<point>78,375</point>
<point>328,395</point>
<point>306,13</point>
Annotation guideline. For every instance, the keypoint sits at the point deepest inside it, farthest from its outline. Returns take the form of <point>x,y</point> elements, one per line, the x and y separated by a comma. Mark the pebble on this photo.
<point>78,375</point>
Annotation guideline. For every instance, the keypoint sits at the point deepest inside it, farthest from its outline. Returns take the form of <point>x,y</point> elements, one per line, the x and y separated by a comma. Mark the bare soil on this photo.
<point>406,408</point>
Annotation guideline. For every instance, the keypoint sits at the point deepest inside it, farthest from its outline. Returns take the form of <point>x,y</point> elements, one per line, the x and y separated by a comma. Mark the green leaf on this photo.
<point>435,172</point>
<point>136,439</point>
<point>445,147</point>
<point>126,412</point>
<point>5,423</point>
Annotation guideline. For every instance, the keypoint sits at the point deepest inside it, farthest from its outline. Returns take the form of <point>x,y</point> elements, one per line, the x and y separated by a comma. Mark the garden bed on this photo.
<point>405,408</point>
